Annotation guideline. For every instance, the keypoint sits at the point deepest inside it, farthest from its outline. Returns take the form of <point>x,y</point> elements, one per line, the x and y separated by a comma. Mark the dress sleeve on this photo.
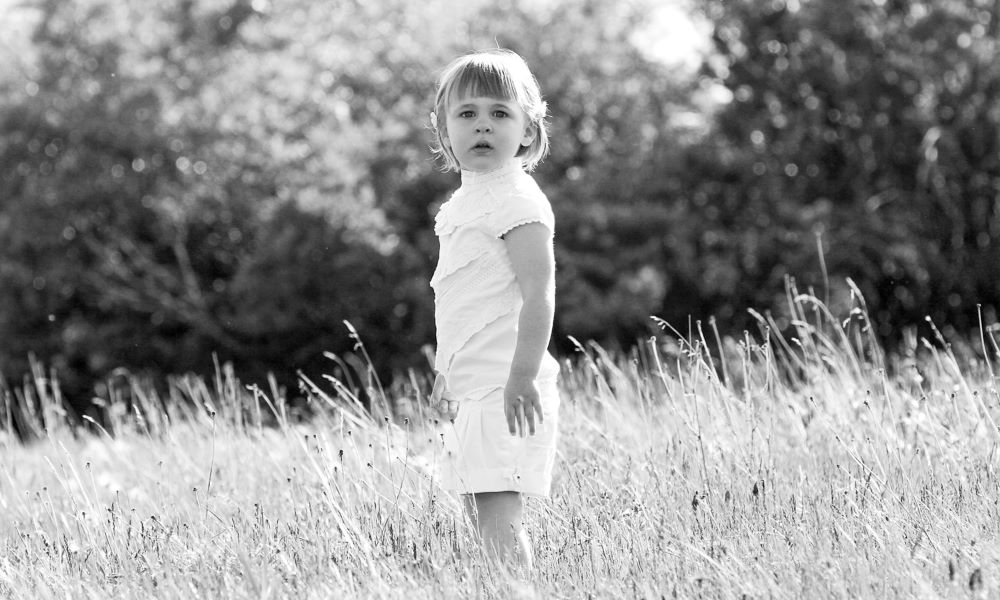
<point>521,209</point>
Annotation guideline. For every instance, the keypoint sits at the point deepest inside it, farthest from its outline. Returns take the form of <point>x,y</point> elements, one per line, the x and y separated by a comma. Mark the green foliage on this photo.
<point>867,123</point>
<point>240,177</point>
<point>196,188</point>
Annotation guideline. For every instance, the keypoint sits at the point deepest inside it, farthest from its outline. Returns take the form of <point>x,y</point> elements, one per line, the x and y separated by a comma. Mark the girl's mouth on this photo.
<point>482,146</point>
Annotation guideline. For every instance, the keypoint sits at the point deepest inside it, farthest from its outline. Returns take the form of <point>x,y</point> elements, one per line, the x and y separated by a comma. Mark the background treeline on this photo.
<point>239,177</point>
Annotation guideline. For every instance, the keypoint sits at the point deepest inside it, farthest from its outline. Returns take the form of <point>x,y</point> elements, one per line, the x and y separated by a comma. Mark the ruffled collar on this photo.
<point>474,180</point>
<point>477,196</point>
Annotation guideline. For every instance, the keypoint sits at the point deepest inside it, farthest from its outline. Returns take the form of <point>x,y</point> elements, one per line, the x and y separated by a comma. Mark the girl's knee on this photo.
<point>499,501</point>
<point>495,507</point>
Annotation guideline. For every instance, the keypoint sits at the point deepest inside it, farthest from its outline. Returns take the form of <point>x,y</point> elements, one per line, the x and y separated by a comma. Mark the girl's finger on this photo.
<point>530,412</point>
<point>520,417</point>
<point>511,413</point>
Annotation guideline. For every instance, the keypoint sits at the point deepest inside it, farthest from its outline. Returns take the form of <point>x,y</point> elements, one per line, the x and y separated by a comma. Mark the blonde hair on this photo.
<point>495,74</point>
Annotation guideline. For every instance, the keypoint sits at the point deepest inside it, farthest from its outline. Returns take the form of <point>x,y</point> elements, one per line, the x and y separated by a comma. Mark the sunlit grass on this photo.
<point>774,467</point>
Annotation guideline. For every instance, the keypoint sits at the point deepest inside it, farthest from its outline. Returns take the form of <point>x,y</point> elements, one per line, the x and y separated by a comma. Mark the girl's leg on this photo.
<point>499,519</point>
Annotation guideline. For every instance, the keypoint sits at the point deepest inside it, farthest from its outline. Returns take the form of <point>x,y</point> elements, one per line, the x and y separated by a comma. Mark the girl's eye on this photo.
<point>500,114</point>
<point>466,114</point>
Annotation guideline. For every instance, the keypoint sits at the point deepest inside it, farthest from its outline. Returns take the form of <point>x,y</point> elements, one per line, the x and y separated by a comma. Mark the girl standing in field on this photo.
<point>494,297</point>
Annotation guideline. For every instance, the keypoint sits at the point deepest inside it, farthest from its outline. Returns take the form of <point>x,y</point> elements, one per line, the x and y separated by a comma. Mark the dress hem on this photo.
<point>537,484</point>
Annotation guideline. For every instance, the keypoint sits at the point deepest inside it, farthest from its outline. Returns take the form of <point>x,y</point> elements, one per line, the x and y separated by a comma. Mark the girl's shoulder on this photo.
<point>525,202</point>
<point>518,198</point>
<point>525,185</point>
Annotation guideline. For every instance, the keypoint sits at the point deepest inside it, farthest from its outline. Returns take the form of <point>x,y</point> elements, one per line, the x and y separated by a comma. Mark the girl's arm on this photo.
<point>531,255</point>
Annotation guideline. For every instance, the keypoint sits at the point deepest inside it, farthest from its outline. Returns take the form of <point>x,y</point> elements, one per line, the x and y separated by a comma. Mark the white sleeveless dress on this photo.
<point>477,306</point>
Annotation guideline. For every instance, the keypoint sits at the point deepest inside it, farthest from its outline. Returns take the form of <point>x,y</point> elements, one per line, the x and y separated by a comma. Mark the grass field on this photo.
<point>810,466</point>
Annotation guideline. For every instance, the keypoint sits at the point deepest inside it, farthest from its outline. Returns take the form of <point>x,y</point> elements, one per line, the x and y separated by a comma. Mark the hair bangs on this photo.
<point>485,78</point>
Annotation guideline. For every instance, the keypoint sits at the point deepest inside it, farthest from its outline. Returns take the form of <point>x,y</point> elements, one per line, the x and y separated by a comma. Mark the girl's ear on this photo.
<point>529,134</point>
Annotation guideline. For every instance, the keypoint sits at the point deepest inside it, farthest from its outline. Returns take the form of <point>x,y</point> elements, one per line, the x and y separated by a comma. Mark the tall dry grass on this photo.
<point>807,466</point>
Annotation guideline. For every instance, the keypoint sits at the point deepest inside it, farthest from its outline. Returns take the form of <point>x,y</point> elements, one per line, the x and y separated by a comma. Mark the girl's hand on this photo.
<point>529,248</point>
<point>521,404</point>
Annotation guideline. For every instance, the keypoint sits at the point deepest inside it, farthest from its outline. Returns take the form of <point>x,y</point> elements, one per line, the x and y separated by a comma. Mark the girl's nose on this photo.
<point>483,127</point>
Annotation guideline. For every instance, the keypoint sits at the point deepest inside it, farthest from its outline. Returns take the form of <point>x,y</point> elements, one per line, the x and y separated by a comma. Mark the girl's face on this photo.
<point>485,133</point>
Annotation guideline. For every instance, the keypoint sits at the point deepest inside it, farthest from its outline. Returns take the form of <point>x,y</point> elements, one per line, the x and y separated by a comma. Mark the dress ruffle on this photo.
<point>463,208</point>
<point>456,324</point>
<point>455,334</point>
<point>474,282</point>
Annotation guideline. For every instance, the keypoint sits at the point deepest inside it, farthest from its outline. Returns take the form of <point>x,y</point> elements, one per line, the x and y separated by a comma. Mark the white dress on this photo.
<point>477,306</point>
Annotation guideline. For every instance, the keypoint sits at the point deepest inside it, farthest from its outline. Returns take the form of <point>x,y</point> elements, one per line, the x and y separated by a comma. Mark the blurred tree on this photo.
<point>179,181</point>
<point>241,176</point>
<point>869,123</point>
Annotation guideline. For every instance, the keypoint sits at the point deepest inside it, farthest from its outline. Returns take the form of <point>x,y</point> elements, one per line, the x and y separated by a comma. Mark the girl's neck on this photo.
<point>476,178</point>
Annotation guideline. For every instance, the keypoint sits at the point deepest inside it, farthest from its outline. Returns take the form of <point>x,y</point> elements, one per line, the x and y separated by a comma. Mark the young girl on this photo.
<point>494,296</point>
